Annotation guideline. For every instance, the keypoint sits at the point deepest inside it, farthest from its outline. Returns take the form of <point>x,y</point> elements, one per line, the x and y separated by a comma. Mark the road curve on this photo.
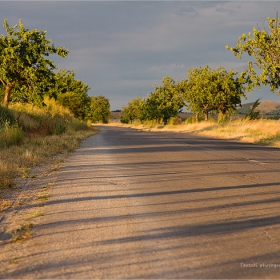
<point>134,204</point>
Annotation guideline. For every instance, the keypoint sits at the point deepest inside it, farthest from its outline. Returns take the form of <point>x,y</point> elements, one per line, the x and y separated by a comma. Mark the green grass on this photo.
<point>10,134</point>
<point>34,215</point>
<point>22,233</point>
<point>43,197</point>
<point>14,259</point>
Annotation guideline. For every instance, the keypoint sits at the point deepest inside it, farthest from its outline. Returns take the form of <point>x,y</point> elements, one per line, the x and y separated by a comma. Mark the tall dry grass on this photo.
<point>262,131</point>
<point>30,135</point>
<point>52,119</point>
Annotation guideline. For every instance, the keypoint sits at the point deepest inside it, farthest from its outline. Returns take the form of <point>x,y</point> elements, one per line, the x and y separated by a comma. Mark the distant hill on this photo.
<point>266,107</point>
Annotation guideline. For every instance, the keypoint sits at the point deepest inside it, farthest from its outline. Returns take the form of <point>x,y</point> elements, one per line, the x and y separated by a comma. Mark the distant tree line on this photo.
<point>219,91</point>
<point>27,75</point>
<point>206,90</point>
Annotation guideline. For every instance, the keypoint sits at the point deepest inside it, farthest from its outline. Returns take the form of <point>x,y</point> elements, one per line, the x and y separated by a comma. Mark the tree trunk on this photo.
<point>205,115</point>
<point>7,95</point>
<point>196,117</point>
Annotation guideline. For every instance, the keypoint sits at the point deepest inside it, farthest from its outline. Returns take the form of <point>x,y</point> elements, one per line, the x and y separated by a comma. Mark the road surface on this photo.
<point>134,204</point>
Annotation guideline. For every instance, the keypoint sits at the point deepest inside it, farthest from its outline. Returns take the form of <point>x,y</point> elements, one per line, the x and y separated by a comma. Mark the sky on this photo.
<point>122,48</point>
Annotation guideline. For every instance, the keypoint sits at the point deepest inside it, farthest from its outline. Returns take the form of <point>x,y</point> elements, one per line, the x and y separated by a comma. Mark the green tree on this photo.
<point>65,81</point>
<point>24,63</point>
<point>165,102</point>
<point>100,109</point>
<point>71,93</point>
<point>264,47</point>
<point>77,103</point>
<point>208,90</point>
<point>133,111</point>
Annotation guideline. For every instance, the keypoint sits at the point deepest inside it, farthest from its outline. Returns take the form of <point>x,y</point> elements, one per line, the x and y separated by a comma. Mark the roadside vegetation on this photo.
<point>48,111</point>
<point>30,135</point>
<point>44,111</point>
<point>259,131</point>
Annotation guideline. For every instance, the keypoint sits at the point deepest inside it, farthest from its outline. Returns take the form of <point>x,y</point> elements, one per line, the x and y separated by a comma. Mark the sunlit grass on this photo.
<point>16,160</point>
<point>265,132</point>
<point>31,135</point>
<point>262,131</point>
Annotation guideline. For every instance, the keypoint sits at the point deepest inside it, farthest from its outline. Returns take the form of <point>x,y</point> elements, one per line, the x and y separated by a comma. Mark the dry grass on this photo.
<point>49,135</point>
<point>4,204</point>
<point>47,132</point>
<point>17,160</point>
<point>263,131</point>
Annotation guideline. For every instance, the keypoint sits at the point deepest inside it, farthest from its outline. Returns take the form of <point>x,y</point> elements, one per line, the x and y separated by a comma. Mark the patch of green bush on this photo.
<point>175,121</point>
<point>10,134</point>
<point>190,120</point>
<point>77,125</point>
<point>6,116</point>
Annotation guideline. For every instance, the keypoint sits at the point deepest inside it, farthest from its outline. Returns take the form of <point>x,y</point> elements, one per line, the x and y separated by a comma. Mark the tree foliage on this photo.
<point>264,47</point>
<point>24,62</point>
<point>133,111</point>
<point>208,90</point>
<point>77,104</point>
<point>99,109</point>
<point>165,102</point>
<point>65,81</point>
<point>71,93</point>
<point>27,75</point>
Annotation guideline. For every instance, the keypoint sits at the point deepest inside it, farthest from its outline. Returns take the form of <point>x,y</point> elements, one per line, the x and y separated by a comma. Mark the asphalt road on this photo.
<point>134,204</point>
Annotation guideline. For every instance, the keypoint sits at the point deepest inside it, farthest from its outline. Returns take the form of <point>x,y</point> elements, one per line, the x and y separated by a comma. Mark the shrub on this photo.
<point>175,121</point>
<point>150,123</point>
<point>77,125</point>
<point>124,119</point>
<point>10,134</point>
<point>190,120</point>
<point>6,115</point>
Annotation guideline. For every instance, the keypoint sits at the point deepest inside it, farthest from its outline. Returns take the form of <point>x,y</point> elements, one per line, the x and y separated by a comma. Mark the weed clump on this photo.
<point>21,233</point>
<point>10,132</point>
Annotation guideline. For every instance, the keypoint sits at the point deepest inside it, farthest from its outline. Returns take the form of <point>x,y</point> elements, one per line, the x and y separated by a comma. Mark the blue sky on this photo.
<point>122,48</point>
